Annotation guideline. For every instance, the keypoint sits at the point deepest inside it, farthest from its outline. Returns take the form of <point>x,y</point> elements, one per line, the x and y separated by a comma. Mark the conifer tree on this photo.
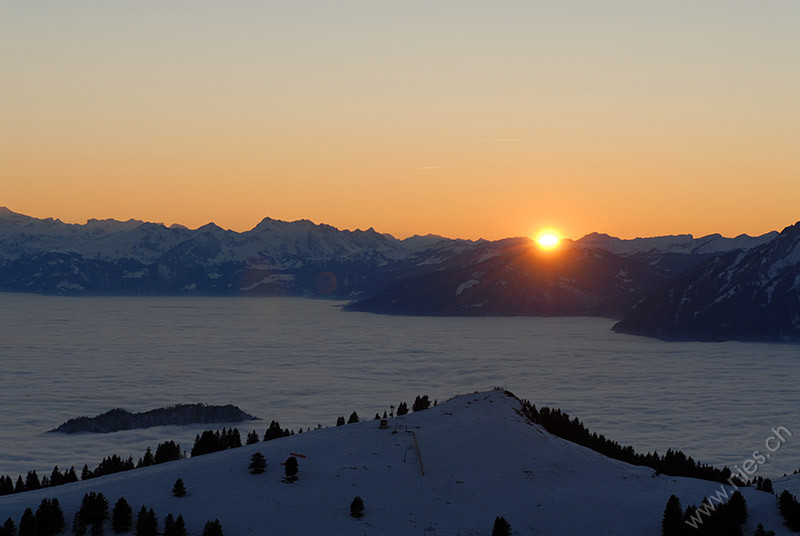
<point>340,421</point>
<point>9,528</point>
<point>257,463</point>
<point>32,481</point>
<point>234,439</point>
<point>6,487</point>
<point>78,526</point>
<point>146,523</point>
<point>70,476</point>
<point>353,418</point>
<point>402,409</point>
<point>167,451</point>
<point>421,403</point>
<point>761,532</point>
<point>501,527</point>
<point>27,525</point>
<point>274,431</point>
<point>94,508</point>
<point>56,478</point>
<point>357,507</point>
<point>19,487</point>
<point>212,528</point>
<point>49,518</point>
<point>153,522</point>
<point>290,468</point>
<point>141,522</point>
<point>97,529</point>
<point>789,509</point>
<point>86,474</point>
<point>179,490</point>
<point>121,516</point>
<point>148,459</point>
<point>180,527</point>
<point>169,526</point>
<point>672,523</point>
<point>737,508</point>
<point>252,438</point>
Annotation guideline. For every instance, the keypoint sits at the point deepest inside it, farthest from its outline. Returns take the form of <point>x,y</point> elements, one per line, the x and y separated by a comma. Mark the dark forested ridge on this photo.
<point>751,295</point>
<point>120,419</point>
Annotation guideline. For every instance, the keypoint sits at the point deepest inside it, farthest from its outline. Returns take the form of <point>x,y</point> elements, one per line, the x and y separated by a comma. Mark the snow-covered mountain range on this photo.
<point>747,294</point>
<point>449,470</point>
<point>707,288</point>
<point>673,254</point>
<point>275,257</point>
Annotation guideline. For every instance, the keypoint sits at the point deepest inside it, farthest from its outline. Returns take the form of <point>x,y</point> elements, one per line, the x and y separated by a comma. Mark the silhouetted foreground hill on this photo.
<point>448,470</point>
<point>743,295</point>
<point>119,419</point>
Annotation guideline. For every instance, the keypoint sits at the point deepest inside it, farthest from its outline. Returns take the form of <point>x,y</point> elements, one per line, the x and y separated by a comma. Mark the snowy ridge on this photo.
<point>275,257</point>
<point>685,244</point>
<point>113,240</point>
<point>749,294</point>
<point>450,469</point>
<point>673,255</point>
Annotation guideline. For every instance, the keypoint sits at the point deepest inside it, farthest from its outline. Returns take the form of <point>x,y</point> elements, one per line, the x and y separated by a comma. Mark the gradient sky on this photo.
<point>462,118</point>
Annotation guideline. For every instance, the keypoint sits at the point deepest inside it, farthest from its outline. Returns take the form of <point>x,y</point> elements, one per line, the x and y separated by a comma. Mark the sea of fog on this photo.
<point>305,362</point>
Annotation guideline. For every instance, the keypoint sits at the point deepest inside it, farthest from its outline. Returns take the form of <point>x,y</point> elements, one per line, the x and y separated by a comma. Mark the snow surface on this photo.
<point>448,470</point>
<point>466,285</point>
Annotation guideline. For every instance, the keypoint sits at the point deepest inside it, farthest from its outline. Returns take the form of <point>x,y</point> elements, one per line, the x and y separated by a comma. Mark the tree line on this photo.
<point>165,452</point>
<point>673,463</point>
<point>707,519</point>
<point>91,517</point>
<point>207,442</point>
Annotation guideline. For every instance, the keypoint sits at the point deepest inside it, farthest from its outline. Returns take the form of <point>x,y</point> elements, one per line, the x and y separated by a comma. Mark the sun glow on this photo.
<point>548,239</point>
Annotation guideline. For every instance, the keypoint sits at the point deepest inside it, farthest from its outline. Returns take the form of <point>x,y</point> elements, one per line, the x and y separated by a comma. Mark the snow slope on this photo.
<point>445,471</point>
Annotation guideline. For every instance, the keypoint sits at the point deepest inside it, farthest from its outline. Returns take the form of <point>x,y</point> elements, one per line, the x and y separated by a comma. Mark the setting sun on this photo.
<point>548,239</point>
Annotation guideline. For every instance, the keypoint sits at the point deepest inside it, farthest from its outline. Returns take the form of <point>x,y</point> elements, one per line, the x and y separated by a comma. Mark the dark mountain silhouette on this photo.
<point>742,295</point>
<point>120,419</point>
<point>515,277</point>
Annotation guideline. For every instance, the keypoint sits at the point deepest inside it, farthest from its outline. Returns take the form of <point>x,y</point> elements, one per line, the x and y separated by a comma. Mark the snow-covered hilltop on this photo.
<point>448,470</point>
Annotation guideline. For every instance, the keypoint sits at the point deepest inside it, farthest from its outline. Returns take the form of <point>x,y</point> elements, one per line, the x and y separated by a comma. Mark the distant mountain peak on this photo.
<point>8,214</point>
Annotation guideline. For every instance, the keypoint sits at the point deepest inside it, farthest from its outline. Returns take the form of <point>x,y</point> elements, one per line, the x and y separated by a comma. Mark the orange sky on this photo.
<point>467,119</point>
